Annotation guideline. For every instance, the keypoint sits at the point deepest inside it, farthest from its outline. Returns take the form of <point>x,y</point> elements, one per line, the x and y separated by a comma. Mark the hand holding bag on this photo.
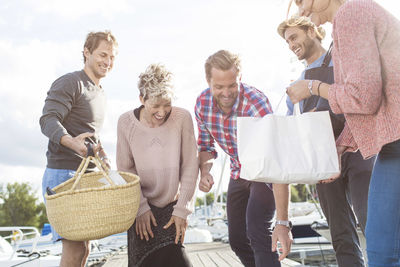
<point>287,149</point>
<point>82,208</point>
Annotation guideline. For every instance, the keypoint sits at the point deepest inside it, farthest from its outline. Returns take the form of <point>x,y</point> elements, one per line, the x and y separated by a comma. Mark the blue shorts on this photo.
<point>52,178</point>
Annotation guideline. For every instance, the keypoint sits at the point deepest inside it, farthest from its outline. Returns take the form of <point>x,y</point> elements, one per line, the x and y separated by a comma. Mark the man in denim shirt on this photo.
<point>350,192</point>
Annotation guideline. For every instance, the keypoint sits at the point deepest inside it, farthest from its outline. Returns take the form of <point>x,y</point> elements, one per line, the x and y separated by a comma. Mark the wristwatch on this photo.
<point>310,84</point>
<point>288,224</point>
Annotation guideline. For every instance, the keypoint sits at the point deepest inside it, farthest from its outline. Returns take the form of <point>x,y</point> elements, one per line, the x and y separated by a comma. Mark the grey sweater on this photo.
<point>74,105</point>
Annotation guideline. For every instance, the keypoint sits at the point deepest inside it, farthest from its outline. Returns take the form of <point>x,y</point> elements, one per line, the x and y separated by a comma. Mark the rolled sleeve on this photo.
<point>205,141</point>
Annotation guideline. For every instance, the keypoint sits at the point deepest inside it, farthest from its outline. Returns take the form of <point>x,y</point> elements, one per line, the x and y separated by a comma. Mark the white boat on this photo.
<point>303,215</point>
<point>207,224</point>
<point>197,235</point>
<point>11,253</point>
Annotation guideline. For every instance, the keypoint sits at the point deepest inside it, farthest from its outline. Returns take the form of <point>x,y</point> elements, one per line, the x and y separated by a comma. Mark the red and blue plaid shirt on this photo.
<point>214,125</point>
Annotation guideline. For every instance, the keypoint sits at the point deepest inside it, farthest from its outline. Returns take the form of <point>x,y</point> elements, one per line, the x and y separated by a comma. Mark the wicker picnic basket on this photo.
<point>85,209</point>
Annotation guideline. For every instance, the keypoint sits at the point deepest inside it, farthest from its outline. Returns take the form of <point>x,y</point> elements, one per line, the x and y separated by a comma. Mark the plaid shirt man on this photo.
<point>214,125</point>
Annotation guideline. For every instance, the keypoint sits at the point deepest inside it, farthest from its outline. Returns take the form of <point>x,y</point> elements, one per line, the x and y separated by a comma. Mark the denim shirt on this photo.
<point>315,64</point>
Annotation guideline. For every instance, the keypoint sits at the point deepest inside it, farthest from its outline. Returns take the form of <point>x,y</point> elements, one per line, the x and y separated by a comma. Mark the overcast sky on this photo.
<point>42,39</point>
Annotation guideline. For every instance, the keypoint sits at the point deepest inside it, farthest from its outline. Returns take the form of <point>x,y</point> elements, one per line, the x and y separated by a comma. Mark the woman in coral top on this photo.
<point>366,59</point>
<point>156,141</point>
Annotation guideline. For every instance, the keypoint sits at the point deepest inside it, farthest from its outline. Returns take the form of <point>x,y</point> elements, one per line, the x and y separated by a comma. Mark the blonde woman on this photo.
<point>156,141</point>
<point>366,57</point>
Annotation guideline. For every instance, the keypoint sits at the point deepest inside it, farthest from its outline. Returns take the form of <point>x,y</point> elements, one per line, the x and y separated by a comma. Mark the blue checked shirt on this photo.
<point>214,125</point>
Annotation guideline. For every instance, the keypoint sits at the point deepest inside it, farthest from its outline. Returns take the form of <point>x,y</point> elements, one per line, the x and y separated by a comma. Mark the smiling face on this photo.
<point>224,86</point>
<point>317,10</point>
<point>100,61</point>
<point>155,111</point>
<point>300,42</point>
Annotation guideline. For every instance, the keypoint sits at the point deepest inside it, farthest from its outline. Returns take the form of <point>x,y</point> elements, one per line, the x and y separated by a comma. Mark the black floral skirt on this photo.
<point>139,249</point>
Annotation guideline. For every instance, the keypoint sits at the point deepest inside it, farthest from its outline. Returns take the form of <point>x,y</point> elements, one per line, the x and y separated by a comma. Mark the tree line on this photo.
<point>19,206</point>
<point>298,193</point>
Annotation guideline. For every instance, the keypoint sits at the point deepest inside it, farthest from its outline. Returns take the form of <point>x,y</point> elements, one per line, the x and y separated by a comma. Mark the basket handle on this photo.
<point>83,166</point>
<point>79,172</point>
<point>103,168</point>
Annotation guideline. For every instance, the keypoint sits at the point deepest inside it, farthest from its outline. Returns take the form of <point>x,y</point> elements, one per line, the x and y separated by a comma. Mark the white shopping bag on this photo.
<point>115,177</point>
<point>287,149</point>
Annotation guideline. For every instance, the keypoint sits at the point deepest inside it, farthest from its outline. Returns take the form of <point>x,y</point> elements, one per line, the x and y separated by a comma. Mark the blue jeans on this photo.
<point>383,221</point>
<point>250,210</point>
<point>52,178</point>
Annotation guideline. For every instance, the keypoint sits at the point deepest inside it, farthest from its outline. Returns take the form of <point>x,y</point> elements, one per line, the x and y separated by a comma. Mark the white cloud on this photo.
<point>75,9</point>
<point>23,174</point>
<point>25,76</point>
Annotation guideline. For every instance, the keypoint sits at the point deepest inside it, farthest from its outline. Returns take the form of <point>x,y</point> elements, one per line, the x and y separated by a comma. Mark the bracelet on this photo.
<point>310,84</point>
<point>103,158</point>
<point>318,88</point>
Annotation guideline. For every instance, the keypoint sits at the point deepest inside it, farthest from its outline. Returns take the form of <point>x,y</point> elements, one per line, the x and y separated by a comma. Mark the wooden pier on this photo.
<point>215,254</point>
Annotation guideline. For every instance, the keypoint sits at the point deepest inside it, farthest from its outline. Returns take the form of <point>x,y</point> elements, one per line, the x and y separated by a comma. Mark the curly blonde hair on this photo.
<point>156,81</point>
<point>303,23</point>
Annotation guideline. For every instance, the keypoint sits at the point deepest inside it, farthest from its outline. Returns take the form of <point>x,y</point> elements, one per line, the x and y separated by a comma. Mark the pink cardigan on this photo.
<point>366,58</point>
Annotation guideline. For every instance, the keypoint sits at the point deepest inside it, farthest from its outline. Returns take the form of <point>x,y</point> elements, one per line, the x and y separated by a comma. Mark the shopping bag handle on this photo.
<point>296,109</point>
<point>83,166</point>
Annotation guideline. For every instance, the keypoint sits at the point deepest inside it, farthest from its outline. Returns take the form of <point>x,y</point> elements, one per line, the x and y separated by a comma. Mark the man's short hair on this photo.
<point>222,60</point>
<point>303,23</point>
<point>93,40</point>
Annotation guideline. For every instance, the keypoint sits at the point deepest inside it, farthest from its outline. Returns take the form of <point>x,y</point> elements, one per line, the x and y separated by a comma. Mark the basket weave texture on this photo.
<point>84,209</point>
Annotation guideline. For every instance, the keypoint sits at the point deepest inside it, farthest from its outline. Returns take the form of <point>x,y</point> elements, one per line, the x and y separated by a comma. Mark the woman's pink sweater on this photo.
<point>165,158</point>
<point>366,58</point>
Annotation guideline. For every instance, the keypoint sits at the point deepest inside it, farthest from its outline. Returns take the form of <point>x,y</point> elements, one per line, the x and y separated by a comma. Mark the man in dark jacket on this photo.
<point>72,116</point>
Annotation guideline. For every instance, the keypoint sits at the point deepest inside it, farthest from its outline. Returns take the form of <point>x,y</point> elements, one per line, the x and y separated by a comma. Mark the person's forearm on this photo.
<point>206,161</point>
<point>320,89</point>
<point>282,197</point>
<point>77,143</point>
<point>68,141</point>
<point>52,128</point>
